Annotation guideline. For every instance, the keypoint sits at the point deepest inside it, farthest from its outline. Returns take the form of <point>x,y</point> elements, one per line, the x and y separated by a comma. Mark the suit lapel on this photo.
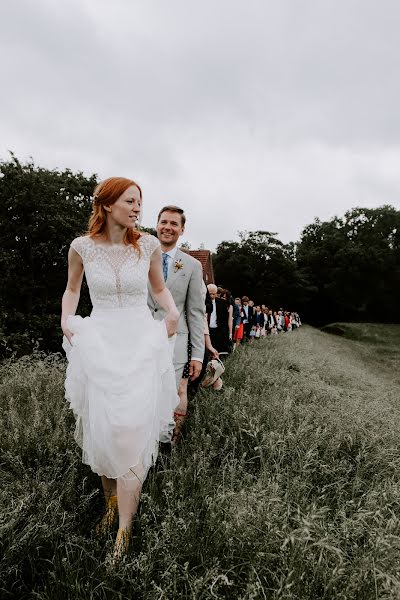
<point>173,273</point>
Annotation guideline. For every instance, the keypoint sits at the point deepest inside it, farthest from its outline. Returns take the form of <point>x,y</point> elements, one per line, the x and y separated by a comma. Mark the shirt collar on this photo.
<point>171,253</point>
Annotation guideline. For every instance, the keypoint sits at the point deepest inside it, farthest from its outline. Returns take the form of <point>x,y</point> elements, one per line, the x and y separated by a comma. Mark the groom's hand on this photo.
<point>194,369</point>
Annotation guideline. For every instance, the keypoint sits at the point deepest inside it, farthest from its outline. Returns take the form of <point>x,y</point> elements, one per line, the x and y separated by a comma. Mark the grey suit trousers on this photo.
<point>181,344</point>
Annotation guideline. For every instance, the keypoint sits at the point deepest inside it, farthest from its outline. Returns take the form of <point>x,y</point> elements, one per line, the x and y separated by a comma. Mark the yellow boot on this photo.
<point>109,516</point>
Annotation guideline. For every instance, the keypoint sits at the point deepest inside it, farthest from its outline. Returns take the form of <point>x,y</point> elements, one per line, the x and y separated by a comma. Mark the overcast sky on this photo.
<point>250,115</point>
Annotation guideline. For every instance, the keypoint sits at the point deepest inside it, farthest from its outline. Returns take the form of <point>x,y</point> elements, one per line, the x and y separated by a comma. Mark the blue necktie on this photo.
<point>165,265</point>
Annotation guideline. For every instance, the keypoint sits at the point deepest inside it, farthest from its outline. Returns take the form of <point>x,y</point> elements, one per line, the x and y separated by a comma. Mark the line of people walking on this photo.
<point>235,321</point>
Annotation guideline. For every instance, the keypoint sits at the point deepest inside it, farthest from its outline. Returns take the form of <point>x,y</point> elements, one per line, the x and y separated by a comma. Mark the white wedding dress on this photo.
<point>120,379</point>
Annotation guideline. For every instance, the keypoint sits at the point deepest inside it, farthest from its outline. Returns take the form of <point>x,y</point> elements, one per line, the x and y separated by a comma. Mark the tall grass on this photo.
<point>286,485</point>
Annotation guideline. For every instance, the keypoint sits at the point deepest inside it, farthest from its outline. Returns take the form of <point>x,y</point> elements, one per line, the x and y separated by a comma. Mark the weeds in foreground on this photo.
<point>286,485</point>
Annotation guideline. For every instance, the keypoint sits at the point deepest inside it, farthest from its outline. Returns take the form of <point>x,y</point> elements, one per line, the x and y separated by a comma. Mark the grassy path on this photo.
<point>287,484</point>
<point>361,380</point>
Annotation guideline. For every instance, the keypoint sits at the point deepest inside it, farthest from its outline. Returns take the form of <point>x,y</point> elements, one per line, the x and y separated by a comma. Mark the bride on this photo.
<point>120,380</point>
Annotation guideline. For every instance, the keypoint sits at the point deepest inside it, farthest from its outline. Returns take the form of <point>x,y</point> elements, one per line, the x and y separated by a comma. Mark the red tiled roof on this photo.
<point>204,257</point>
<point>201,255</point>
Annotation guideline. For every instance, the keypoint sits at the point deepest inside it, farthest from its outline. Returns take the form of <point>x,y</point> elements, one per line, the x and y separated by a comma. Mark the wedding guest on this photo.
<point>210,352</point>
<point>280,322</point>
<point>238,314</point>
<point>218,322</point>
<point>271,321</point>
<point>227,297</point>
<point>247,319</point>
<point>286,321</point>
<point>258,323</point>
<point>183,276</point>
<point>259,317</point>
<point>120,379</point>
<point>207,302</point>
<point>265,313</point>
<point>274,329</point>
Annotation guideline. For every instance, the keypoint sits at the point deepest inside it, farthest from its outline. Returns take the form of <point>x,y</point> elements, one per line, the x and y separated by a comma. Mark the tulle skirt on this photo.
<point>121,386</point>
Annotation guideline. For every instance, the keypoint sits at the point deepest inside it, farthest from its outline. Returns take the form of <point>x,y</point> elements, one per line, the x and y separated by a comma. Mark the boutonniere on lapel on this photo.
<point>178,265</point>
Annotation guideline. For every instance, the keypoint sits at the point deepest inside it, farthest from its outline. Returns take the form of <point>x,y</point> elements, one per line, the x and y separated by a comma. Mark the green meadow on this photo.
<point>286,485</point>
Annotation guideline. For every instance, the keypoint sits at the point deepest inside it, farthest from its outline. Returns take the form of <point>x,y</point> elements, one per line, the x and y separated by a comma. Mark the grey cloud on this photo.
<point>287,109</point>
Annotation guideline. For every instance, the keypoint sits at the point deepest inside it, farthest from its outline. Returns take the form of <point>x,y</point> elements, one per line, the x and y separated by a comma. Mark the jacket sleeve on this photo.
<point>195,310</point>
<point>236,316</point>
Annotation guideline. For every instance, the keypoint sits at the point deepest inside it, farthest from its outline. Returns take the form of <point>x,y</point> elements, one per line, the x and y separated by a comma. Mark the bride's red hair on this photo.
<point>105,194</point>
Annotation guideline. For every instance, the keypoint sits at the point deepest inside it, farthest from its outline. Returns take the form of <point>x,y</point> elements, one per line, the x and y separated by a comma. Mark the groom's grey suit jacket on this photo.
<point>185,285</point>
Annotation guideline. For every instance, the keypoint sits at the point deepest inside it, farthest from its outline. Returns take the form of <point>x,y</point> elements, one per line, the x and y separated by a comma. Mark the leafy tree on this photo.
<point>261,267</point>
<point>149,230</point>
<point>353,264</point>
<point>41,211</point>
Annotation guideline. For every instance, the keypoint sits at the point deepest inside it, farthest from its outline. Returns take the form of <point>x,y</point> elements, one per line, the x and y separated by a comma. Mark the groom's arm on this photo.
<point>195,312</point>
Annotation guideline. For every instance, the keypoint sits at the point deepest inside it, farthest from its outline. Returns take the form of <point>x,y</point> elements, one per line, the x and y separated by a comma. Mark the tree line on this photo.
<point>345,269</point>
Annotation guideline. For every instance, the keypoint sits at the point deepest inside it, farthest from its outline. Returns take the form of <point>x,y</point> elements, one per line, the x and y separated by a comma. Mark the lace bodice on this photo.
<point>116,275</point>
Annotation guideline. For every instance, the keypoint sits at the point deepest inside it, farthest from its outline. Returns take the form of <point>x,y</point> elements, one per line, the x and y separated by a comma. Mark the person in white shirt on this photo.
<point>219,321</point>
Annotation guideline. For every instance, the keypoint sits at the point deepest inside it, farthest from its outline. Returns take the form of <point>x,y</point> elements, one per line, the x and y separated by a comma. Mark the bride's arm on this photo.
<point>161,293</point>
<point>72,292</point>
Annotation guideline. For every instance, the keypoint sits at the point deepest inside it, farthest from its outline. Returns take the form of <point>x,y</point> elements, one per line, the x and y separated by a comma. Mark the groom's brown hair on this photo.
<point>172,208</point>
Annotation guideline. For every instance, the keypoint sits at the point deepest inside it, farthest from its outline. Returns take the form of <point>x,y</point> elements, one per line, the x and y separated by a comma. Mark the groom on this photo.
<point>184,276</point>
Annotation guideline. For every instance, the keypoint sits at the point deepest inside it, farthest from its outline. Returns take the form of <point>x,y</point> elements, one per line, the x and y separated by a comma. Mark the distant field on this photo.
<point>373,333</point>
<point>383,341</point>
<point>287,484</point>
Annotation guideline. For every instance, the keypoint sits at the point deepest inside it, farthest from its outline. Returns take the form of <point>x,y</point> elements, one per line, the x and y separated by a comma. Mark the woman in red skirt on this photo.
<point>238,316</point>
